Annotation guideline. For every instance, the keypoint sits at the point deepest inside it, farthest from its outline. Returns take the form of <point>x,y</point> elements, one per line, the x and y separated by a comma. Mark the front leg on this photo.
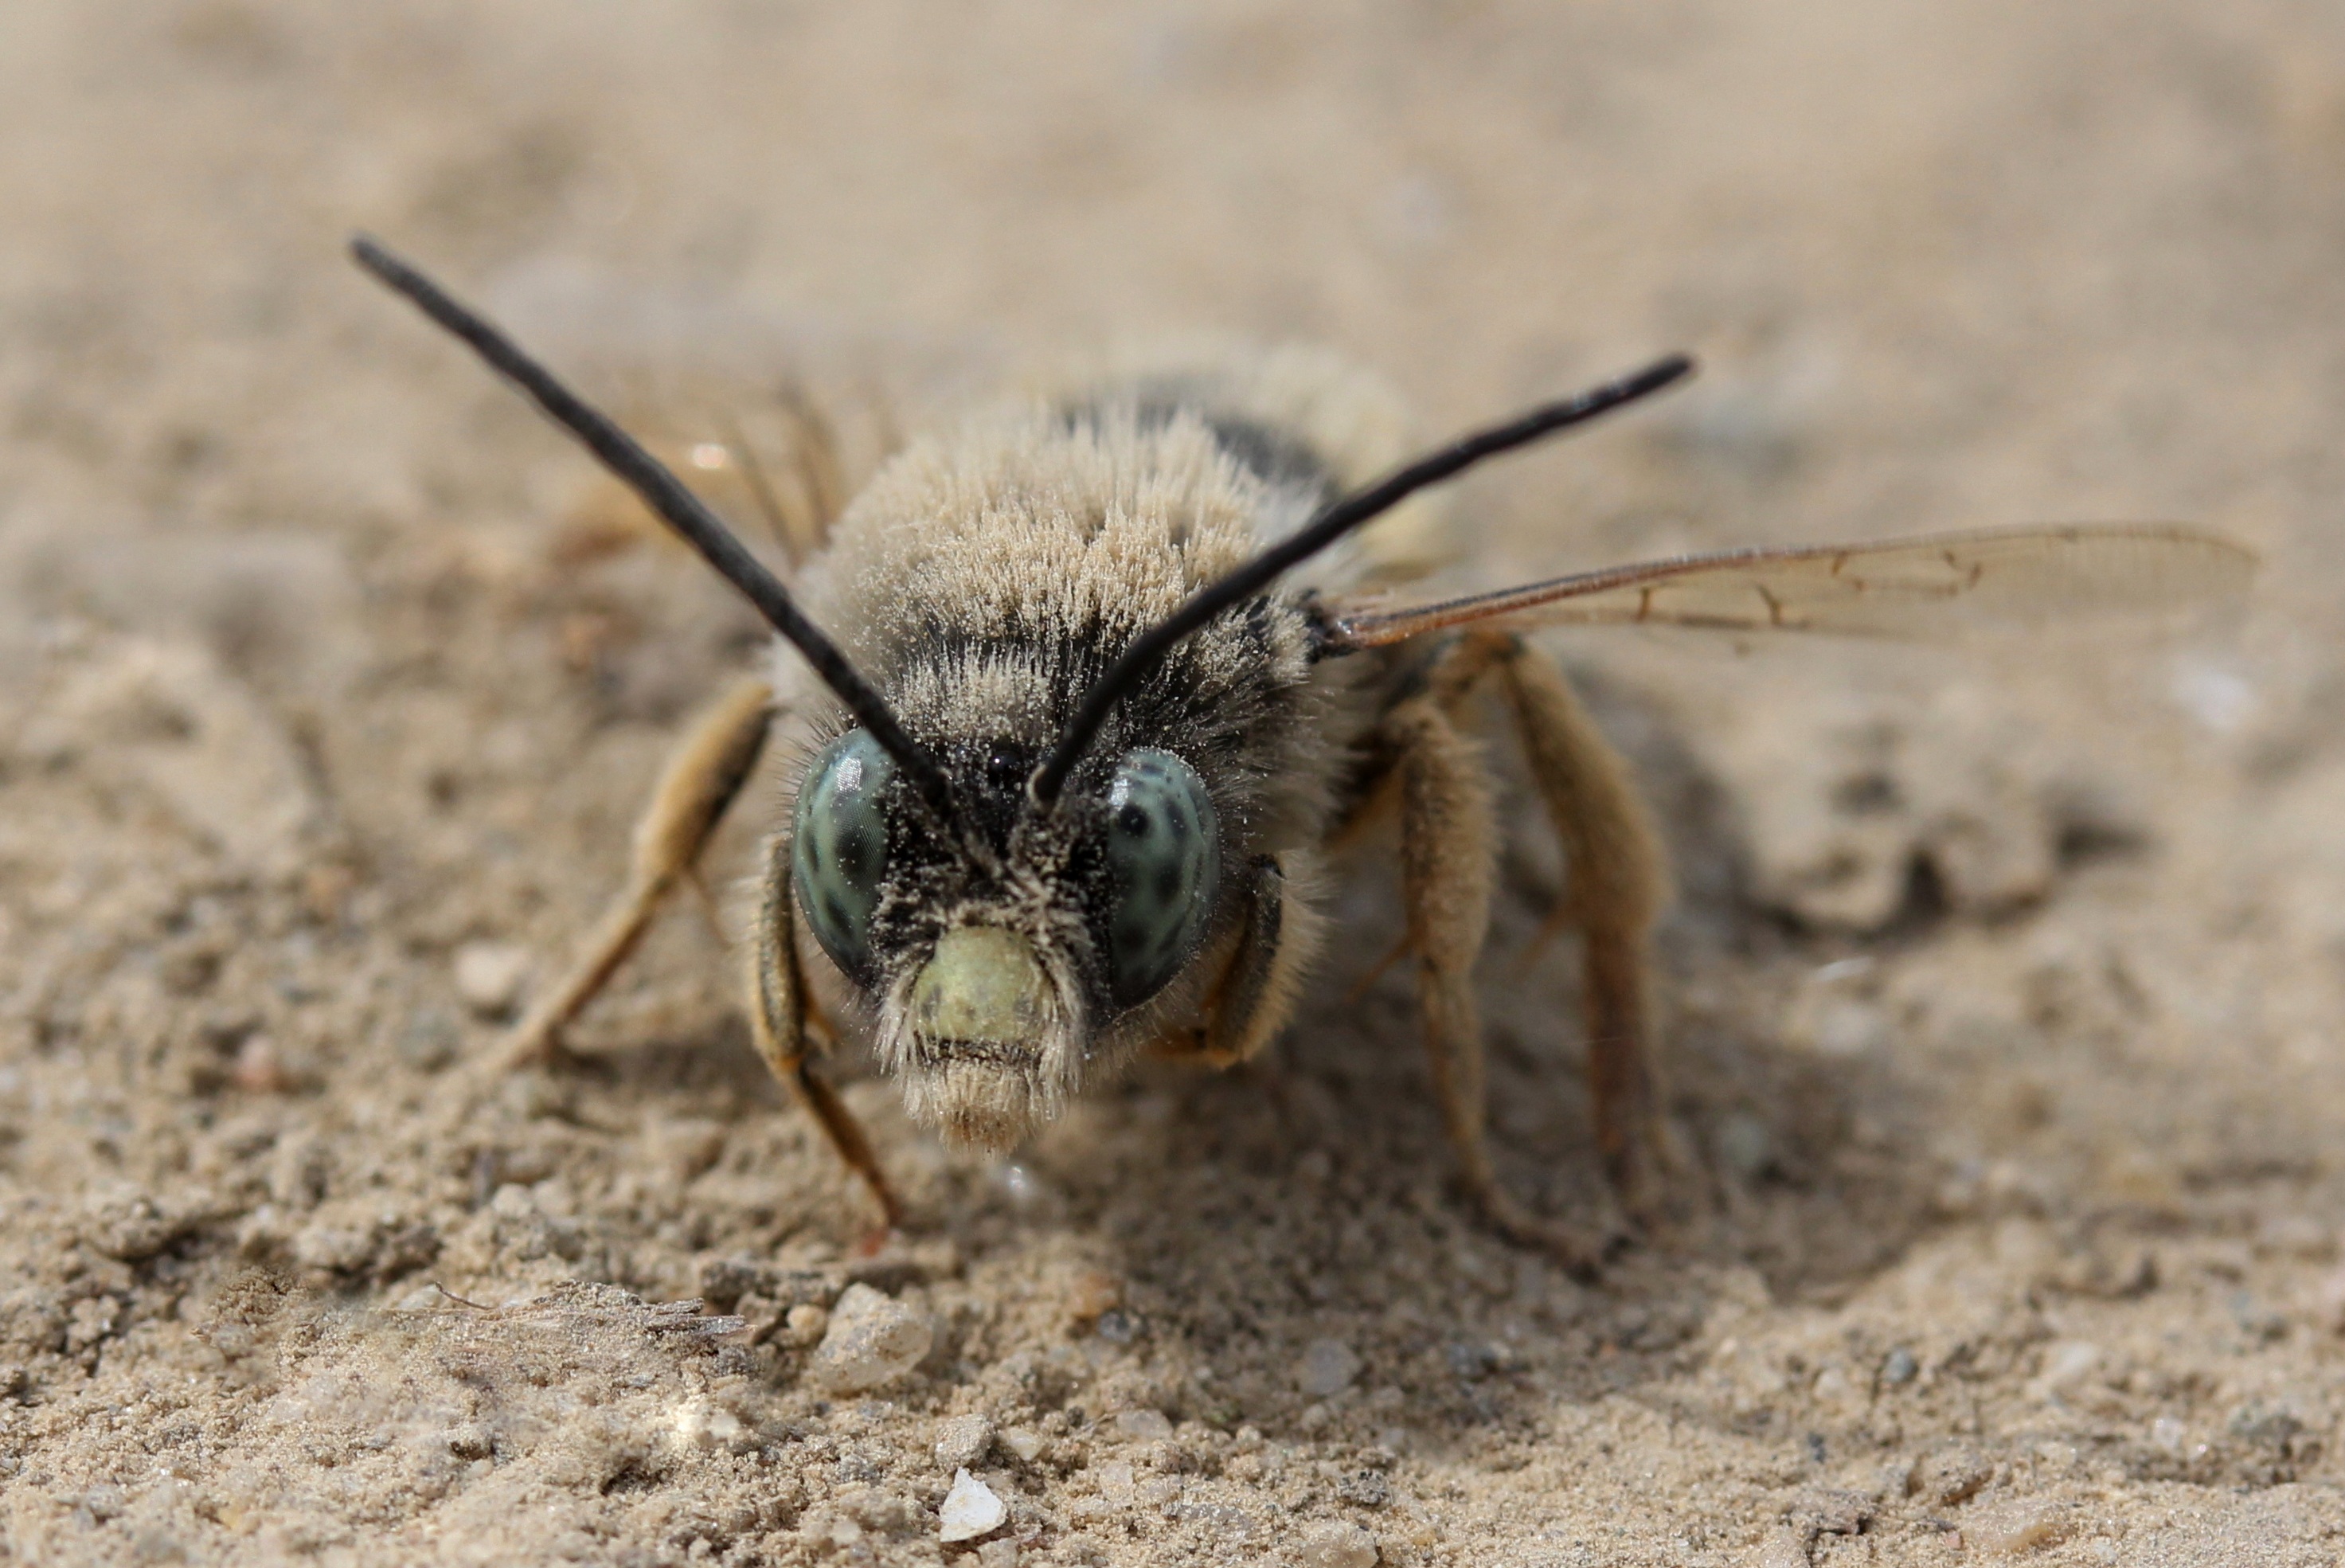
<point>778,1019</point>
<point>1277,939</point>
<point>1280,938</point>
<point>1449,862</point>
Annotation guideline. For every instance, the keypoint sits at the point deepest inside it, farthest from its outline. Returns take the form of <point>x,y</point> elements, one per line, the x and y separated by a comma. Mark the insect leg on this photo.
<point>703,775</point>
<point>777,1018</point>
<point>1618,882</point>
<point>1448,854</point>
<point>1275,950</point>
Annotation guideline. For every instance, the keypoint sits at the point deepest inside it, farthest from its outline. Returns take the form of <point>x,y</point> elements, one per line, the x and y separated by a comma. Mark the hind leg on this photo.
<point>1448,855</point>
<point>1618,882</point>
<point>702,777</point>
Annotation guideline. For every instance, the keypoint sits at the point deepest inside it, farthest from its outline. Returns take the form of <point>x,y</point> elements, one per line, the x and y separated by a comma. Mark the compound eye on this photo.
<point>1163,857</point>
<point>838,847</point>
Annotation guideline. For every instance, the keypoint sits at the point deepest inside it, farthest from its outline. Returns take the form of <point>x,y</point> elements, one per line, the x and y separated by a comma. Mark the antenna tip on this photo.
<point>375,257</point>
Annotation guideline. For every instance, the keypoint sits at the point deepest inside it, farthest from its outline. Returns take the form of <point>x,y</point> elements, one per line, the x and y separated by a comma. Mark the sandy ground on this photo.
<point>2003,991</point>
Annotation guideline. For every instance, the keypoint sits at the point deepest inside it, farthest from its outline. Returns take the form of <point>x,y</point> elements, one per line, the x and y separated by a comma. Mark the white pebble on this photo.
<point>970,1510</point>
<point>2067,1363</point>
<point>1338,1545</point>
<point>697,1424</point>
<point>1845,1027</point>
<point>1023,1441</point>
<point>488,976</point>
<point>872,1340</point>
<point>1328,1368</point>
<point>1143,1426</point>
<point>962,1441</point>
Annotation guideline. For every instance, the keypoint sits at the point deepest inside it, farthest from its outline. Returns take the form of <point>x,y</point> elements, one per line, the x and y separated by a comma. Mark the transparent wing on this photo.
<point>774,419</point>
<point>778,459</point>
<point>1933,585</point>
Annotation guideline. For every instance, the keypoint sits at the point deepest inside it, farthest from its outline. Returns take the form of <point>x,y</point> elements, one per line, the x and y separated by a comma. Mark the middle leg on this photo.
<point>701,777</point>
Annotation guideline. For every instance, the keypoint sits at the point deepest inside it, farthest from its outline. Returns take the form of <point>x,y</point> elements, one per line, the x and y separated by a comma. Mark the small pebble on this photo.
<point>970,1510</point>
<point>1023,1443</point>
<point>872,1340</point>
<point>258,1070</point>
<point>1900,1367</point>
<point>489,975</point>
<point>2067,1363</point>
<point>470,1440</point>
<point>697,1424</point>
<point>2019,1526</point>
<point>1143,1426</point>
<point>1951,1475</point>
<point>1092,1293</point>
<point>805,1324</point>
<point>1337,1544</point>
<point>1328,1368</point>
<point>962,1441</point>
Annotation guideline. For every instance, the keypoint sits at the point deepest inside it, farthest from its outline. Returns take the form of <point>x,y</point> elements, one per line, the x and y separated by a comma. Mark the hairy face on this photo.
<point>998,947</point>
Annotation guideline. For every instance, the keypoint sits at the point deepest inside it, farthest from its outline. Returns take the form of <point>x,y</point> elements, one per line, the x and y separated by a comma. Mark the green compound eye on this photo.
<point>1163,857</point>
<point>838,846</point>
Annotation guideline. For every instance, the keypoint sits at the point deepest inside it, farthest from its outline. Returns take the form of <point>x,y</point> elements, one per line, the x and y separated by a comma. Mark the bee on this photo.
<point>1086,686</point>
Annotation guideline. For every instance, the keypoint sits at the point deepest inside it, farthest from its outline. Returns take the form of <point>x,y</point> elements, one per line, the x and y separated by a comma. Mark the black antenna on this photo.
<point>1334,521</point>
<point>665,494</point>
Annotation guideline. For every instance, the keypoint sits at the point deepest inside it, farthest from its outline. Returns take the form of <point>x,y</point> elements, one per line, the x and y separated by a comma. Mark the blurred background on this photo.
<point>2003,988</point>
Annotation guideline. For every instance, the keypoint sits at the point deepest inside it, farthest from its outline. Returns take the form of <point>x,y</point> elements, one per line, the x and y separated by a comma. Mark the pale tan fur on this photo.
<point>1354,420</point>
<point>1014,524</point>
<point>956,579</point>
